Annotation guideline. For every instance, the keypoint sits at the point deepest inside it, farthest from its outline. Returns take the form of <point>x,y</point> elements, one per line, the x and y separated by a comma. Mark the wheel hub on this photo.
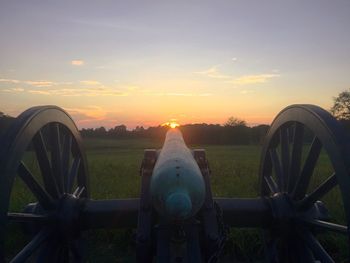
<point>67,216</point>
<point>285,213</point>
<point>64,219</point>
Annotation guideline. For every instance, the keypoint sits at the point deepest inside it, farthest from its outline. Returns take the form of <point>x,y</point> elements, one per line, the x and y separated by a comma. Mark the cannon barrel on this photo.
<point>177,185</point>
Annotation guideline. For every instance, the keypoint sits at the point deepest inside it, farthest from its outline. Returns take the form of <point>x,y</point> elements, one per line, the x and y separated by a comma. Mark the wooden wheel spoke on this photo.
<point>284,157</point>
<point>319,192</point>
<point>56,157</point>
<point>295,163</point>
<point>319,252</point>
<point>299,213</point>
<point>27,218</point>
<point>309,166</point>
<point>277,168</point>
<point>66,152</point>
<point>41,146</point>
<point>73,174</point>
<point>32,246</point>
<point>78,192</point>
<point>271,184</point>
<point>325,225</point>
<point>44,164</point>
<point>43,197</point>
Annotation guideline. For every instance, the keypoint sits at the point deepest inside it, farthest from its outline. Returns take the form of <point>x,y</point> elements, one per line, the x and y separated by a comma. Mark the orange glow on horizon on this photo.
<point>172,124</point>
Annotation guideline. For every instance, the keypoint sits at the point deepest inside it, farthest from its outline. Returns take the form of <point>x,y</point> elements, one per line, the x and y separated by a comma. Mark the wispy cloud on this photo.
<point>77,62</point>
<point>40,83</point>
<point>15,81</point>
<point>90,88</point>
<point>88,113</point>
<point>253,79</point>
<point>179,94</point>
<point>14,90</point>
<point>90,82</point>
<point>40,92</point>
<point>95,116</point>
<point>213,72</point>
<point>36,83</point>
<point>88,92</point>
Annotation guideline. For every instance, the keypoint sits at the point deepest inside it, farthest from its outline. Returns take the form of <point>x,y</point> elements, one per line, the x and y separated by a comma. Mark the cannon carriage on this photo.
<point>176,217</point>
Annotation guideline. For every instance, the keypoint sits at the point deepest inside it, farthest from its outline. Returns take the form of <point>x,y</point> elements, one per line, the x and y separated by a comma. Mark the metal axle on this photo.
<point>119,213</point>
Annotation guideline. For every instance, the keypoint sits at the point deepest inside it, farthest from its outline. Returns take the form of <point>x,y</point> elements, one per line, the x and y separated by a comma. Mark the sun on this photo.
<point>172,124</point>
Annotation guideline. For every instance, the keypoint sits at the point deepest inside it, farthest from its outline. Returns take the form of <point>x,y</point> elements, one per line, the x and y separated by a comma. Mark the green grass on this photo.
<point>114,173</point>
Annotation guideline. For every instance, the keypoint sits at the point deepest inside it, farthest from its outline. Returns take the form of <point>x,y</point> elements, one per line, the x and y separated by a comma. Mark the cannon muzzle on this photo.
<point>177,185</point>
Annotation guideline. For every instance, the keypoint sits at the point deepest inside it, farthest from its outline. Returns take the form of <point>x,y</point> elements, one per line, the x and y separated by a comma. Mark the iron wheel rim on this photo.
<point>294,178</point>
<point>61,167</point>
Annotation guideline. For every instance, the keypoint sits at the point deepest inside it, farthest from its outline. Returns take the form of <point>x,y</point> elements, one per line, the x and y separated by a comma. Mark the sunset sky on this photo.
<point>146,62</point>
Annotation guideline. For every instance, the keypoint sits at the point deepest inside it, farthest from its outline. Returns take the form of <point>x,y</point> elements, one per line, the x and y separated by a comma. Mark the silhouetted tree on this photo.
<point>100,132</point>
<point>233,122</point>
<point>118,131</point>
<point>341,106</point>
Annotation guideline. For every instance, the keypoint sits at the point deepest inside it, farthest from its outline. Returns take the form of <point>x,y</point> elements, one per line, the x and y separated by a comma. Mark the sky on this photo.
<point>145,62</point>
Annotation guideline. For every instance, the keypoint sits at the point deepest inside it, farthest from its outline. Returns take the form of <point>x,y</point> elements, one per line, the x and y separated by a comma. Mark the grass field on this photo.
<point>114,167</point>
<point>114,173</point>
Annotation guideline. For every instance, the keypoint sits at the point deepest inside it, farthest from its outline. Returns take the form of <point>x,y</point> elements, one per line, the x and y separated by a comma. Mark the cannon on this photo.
<point>177,185</point>
<point>176,217</point>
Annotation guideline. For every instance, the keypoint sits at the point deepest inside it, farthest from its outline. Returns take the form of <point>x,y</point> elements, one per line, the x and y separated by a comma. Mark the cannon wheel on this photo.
<point>285,174</point>
<point>50,137</point>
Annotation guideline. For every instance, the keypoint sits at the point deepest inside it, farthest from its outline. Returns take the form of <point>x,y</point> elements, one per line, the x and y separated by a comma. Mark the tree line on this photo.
<point>192,133</point>
<point>234,131</point>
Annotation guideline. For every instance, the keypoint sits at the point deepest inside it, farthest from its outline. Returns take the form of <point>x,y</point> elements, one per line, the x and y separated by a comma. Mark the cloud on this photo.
<point>74,92</point>
<point>36,83</point>
<point>18,89</point>
<point>213,72</point>
<point>88,113</point>
<point>176,94</point>
<point>92,88</point>
<point>77,62</point>
<point>253,79</point>
<point>40,92</point>
<point>95,116</point>
<point>15,81</point>
<point>13,90</point>
<point>90,82</point>
<point>40,83</point>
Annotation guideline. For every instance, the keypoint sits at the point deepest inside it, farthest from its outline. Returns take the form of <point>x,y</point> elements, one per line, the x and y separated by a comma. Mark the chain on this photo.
<point>223,230</point>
